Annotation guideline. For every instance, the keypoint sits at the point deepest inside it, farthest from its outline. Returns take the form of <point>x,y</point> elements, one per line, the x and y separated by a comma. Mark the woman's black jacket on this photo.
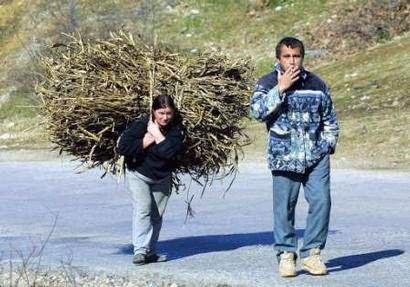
<point>157,160</point>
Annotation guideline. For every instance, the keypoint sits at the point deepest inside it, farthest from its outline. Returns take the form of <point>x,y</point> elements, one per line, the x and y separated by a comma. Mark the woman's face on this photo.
<point>163,116</point>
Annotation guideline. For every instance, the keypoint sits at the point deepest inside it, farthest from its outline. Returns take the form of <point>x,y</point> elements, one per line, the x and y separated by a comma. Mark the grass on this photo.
<point>370,95</point>
<point>228,25</point>
<point>20,123</point>
<point>369,88</point>
<point>11,15</point>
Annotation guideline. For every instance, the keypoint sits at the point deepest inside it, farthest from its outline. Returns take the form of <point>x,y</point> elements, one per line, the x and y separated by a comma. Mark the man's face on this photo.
<point>290,58</point>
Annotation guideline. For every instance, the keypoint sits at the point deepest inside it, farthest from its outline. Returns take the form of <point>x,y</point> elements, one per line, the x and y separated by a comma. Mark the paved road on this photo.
<point>229,240</point>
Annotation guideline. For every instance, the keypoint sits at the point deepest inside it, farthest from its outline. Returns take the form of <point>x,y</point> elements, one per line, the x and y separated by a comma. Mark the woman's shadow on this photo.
<point>188,246</point>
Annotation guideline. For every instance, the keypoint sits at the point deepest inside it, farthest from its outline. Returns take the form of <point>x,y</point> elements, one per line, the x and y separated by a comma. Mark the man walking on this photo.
<point>303,131</point>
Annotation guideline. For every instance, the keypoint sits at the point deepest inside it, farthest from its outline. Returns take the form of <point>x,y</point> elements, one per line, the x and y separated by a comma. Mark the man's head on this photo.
<point>290,53</point>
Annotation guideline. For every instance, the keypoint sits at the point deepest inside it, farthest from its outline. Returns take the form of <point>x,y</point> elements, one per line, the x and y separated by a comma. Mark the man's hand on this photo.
<point>287,79</point>
<point>147,140</point>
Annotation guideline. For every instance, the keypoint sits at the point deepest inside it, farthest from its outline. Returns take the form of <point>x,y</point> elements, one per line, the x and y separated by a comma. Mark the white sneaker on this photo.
<point>313,263</point>
<point>287,264</point>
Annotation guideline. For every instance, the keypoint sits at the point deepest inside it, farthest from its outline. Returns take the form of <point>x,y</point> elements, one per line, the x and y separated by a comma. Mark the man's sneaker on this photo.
<point>139,259</point>
<point>153,258</point>
<point>287,265</point>
<point>313,263</point>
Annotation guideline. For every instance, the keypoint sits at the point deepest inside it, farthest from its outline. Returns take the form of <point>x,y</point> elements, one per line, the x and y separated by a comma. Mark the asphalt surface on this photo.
<point>79,220</point>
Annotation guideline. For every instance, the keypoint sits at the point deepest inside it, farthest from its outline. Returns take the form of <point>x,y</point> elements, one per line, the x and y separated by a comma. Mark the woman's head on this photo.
<point>163,110</point>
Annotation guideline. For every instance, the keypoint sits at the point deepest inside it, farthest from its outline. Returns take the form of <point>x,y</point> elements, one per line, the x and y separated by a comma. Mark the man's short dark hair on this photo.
<point>292,43</point>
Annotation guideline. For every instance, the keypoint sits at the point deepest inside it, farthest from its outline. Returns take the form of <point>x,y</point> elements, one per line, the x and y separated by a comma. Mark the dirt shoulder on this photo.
<point>31,155</point>
<point>256,159</point>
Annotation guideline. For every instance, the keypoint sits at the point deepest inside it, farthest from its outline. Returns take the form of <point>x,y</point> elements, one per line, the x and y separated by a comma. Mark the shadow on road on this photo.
<point>188,246</point>
<point>354,261</point>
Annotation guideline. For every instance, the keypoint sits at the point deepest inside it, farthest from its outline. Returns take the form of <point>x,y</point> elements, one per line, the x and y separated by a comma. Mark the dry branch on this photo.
<point>92,91</point>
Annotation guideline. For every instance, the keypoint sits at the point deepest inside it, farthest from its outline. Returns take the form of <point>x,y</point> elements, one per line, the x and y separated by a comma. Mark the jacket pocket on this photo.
<point>320,149</point>
<point>279,141</point>
<point>279,133</point>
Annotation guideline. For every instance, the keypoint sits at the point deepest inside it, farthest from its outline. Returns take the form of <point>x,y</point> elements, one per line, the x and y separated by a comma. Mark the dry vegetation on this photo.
<point>351,28</point>
<point>93,90</point>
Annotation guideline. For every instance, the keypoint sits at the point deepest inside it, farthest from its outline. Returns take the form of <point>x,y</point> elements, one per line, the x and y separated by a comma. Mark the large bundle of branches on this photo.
<point>92,91</point>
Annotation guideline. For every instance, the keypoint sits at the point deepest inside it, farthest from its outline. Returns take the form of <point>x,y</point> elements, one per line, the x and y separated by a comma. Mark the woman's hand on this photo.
<point>154,130</point>
<point>147,140</point>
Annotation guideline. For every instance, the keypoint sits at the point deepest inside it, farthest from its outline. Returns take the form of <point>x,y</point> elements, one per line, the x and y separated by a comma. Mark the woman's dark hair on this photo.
<point>162,102</point>
<point>291,43</point>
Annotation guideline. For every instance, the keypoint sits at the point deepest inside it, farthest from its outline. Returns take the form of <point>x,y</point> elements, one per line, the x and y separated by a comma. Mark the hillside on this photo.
<point>368,71</point>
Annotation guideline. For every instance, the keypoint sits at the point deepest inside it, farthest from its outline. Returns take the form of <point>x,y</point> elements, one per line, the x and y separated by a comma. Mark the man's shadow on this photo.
<point>357,260</point>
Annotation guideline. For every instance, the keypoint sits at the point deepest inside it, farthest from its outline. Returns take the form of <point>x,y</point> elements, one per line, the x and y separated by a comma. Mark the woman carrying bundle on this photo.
<point>150,147</point>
